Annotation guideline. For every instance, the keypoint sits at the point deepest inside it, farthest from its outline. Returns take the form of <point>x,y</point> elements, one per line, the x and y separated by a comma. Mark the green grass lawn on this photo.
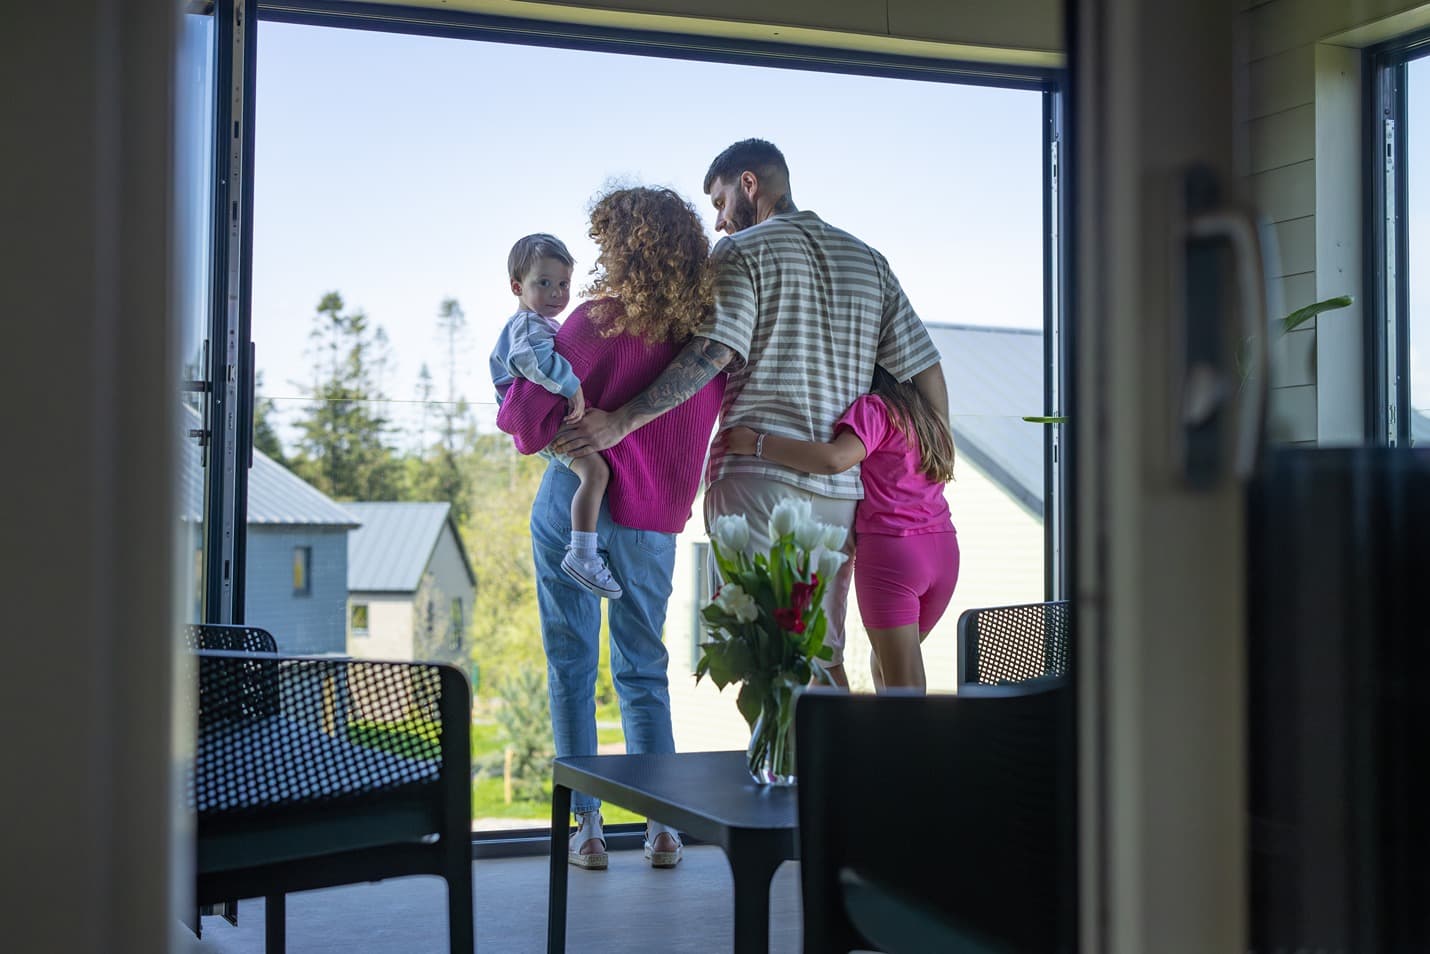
<point>488,792</point>
<point>487,803</point>
<point>419,737</point>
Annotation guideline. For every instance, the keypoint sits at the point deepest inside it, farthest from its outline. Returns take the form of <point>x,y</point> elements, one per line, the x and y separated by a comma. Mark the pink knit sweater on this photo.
<point>656,469</point>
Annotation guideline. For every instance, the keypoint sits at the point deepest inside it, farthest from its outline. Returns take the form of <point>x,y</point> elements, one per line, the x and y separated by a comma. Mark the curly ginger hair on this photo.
<point>654,260</point>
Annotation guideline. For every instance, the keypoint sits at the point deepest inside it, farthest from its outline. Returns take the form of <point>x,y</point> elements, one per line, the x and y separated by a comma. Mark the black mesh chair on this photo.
<point>1008,644</point>
<point>990,865</point>
<point>229,638</point>
<point>308,774</point>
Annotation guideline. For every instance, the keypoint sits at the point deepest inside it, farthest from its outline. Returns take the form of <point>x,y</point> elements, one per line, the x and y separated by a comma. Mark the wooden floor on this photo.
<point>629,907</point>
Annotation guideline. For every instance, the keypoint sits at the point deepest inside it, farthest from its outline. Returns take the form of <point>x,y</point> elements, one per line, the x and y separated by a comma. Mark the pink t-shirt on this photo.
<point>898,499</point>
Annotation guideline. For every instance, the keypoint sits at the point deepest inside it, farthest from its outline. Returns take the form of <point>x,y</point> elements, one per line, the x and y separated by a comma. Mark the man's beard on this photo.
<point>742,216</point>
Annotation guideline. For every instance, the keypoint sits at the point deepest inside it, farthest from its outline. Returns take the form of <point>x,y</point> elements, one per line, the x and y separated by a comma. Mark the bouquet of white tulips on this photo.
<point>766,624</point>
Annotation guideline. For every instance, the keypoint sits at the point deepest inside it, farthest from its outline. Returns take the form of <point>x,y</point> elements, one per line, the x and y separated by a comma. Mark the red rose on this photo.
<point>800,594</point>
<point>789,619</point>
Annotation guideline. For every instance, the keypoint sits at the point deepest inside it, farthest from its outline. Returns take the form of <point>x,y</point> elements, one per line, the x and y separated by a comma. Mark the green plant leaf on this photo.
<point>715,616</point>
<point>750,701</point>
<point>1036,419</point>
<point>1302,315</point>
<point>718,657</point>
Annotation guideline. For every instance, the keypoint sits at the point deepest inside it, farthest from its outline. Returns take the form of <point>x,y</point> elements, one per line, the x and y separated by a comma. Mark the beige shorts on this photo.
<point>755,497</point>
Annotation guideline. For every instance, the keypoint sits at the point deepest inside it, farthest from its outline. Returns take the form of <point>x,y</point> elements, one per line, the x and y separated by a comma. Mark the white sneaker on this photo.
<point>595,576</point>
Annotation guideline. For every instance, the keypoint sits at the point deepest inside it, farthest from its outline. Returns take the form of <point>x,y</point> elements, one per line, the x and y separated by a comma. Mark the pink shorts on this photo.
<point>904,580</point>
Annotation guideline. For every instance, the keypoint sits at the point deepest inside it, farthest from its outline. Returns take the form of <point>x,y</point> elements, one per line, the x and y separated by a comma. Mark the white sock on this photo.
<point>583,545</point>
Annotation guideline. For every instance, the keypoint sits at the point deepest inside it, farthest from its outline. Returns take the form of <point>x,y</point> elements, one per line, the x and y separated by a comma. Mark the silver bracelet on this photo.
<point>760,446</point>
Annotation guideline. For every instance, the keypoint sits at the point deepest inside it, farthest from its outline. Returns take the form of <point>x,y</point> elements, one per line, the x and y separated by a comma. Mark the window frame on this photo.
<point>231,321</point>
<point>366,629</point>
<point>1387,231</point>
<point>303,556</point>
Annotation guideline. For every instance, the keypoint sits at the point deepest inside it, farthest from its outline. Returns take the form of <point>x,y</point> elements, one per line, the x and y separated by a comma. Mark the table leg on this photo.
<point>752,867</point>
<point>275,923</point>
<point>556,899</point>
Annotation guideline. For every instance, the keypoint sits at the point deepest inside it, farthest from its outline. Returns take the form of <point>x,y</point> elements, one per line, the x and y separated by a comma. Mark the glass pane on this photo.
<point>193,174</point>
<point>384,214</point>
<point>1418,253</point>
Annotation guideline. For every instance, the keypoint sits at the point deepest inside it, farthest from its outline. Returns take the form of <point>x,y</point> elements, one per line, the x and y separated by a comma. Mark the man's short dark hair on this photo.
<point>749,155</point>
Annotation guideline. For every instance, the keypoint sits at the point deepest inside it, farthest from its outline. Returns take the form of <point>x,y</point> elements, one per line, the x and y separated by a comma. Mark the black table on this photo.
<point>708,794</point>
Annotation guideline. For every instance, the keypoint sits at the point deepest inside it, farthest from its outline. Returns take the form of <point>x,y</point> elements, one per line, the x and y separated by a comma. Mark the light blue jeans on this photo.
<point>643,562</point>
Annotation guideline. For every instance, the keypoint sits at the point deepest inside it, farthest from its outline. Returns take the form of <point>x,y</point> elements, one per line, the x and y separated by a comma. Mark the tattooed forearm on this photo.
<point>692,369</point>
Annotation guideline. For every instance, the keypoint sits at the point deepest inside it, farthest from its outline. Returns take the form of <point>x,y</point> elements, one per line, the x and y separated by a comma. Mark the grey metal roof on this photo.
<point>276,496</point>
<point>391,550</point>
<point>995,379</point>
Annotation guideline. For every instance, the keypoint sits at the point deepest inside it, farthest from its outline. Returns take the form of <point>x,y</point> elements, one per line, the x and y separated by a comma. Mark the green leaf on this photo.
<point>1302,315</point>
<point>737,657</point>
<point>1038,419</point>
<point>729,569</point>
<point>750,701</point>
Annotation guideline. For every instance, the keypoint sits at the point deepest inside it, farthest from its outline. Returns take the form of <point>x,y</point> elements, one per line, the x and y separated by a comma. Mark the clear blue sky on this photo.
<point>398,170</point>
<point>1418,149</point>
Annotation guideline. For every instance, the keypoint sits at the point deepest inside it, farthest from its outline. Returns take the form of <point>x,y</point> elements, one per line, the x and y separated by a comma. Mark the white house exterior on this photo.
<point>410,584</point>
<point>994,378</point>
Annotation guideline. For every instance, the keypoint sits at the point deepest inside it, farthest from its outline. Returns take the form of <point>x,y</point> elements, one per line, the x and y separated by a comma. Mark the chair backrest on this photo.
<point>959,807</point>
<point>1009,644</point>
<point>231,639</point>
<point>285,730</point>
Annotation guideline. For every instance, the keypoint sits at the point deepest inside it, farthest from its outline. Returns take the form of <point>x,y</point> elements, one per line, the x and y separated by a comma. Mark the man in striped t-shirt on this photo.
<point>803,312</point>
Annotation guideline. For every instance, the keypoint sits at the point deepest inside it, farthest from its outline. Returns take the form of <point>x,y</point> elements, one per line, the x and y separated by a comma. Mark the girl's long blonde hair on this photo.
<point>920,424</point>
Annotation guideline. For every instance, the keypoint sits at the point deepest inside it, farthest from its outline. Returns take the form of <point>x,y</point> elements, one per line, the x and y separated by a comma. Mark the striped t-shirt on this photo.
<point>809,309</point>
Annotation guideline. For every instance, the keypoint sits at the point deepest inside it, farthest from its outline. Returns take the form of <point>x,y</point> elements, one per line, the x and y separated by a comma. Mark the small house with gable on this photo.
<point>410,584</point>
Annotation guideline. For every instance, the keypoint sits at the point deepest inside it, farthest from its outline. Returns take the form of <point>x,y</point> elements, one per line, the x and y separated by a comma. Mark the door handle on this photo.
<point>1239,229</point>
<point>1220,268</point>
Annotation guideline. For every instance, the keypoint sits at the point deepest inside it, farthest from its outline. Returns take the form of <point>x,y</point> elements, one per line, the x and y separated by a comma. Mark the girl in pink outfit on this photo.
<point>906,555</point>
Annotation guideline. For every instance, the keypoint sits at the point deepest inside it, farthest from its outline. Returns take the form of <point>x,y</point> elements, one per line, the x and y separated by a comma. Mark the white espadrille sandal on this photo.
<point>588,831</point>
<point>660,858</point>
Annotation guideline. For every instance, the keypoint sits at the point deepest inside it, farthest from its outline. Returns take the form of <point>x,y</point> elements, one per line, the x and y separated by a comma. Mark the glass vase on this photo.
<point>771,751</point>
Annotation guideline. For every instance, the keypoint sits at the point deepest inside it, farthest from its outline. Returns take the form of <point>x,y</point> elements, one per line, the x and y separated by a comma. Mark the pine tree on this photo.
<point>342,445</point>
<point>446,477</point>
<point>452,326</point>
<point>424,404</point>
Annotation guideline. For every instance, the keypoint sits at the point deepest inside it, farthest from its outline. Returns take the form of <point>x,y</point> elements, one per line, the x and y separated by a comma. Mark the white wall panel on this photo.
<point>1286,193</point>
<point>1281,82</point>
<point>1296,243</point>
<point>1284,138</point>
<point>1293,358</point>
<point>1291,414</point>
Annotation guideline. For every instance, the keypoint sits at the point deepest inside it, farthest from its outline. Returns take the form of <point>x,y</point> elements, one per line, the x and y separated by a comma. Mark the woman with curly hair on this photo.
<point>651,290</point>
